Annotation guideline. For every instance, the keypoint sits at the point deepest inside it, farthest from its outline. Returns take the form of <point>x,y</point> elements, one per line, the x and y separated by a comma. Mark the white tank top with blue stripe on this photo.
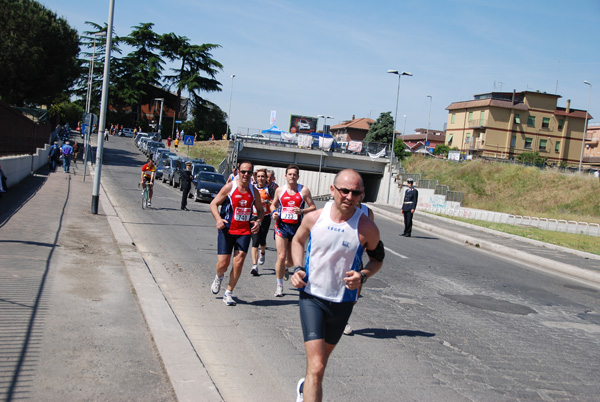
<point>333,249</point>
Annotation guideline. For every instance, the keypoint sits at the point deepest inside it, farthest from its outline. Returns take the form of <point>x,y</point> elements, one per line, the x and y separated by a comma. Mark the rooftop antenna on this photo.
<point>557,75</point>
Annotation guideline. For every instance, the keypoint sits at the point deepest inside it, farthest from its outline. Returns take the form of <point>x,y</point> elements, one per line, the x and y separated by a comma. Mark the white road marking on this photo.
<point>395,253</point>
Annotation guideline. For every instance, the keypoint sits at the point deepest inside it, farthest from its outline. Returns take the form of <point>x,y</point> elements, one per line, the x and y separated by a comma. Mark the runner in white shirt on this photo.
<point>330,275</point>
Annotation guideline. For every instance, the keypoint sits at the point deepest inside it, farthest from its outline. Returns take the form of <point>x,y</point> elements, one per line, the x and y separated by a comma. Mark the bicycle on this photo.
<point>146,194</point>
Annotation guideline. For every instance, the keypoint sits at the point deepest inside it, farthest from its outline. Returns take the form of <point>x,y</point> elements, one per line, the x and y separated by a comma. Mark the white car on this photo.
<point>303,124</point>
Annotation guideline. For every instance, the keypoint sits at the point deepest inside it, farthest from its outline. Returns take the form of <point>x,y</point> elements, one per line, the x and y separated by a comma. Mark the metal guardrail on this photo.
<point>557,225</point>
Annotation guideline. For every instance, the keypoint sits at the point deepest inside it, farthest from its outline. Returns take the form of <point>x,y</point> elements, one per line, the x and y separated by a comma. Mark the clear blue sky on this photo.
<point>331,57</point>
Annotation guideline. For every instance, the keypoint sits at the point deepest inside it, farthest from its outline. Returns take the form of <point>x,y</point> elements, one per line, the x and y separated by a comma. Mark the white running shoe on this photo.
<point>348,330</point>
<point>261,259</point>
<point>254,270</point>
<point>279,291</point>
<point>228,299</point>
<point>286,274</point>
<point>149,204</point>
<point>300,391</point>
<point>216,285</point>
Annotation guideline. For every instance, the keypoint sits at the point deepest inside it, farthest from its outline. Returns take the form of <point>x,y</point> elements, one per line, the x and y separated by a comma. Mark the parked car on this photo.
<point>206,185</point>
<point>157,152</point>
<point>151,146</point>
<point>141,141</point>
<point>163,155</point>
<point>196,168</point>
<point>169,168</point>
<point>126,132</point>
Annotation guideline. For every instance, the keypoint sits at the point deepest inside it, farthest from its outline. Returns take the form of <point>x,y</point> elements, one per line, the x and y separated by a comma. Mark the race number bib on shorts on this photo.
<point>242,214</point>
<point>288,213</point>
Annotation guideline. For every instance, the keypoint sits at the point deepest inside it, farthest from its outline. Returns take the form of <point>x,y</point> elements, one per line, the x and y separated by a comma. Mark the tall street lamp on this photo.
<point>586,124</point>
<point>229,112</point>
<point>394,128</point>
<point>428,120</point>
<point>321,150</point>
<point>160,115</point>
<point>88,96</point>
<point>103,107</point>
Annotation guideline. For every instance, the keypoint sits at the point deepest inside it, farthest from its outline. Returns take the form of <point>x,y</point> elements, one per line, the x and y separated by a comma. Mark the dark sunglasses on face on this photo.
<point>345,191</point>
<point>245,171</point>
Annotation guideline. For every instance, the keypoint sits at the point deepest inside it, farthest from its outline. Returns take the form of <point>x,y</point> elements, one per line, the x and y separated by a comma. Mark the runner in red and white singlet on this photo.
<point>291,201</point>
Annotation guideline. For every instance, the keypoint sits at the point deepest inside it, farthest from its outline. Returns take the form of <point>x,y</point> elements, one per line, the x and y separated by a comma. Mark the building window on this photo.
<point>546,122</point>
<point>470,116</point>
<point>561,123</point>
<point>481,117</point>
<point>453,118</point>
<point>528,142</point>
<point>531,121</point>
<point>468,138</point>
<point>543,145</point>
<point>450,139</point>
<point>517,119</point>
<point>513,141</point>
<point>557,147</point>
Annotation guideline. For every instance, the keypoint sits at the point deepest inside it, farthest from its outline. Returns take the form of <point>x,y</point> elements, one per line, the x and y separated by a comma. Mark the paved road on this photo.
<point>440,322</point>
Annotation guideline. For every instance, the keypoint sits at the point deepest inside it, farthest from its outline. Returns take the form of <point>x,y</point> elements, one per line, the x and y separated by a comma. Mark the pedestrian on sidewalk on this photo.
<point>106,134</point>
<point>330,275</point>
<point>176,143</point>
<point>186,184</point>
<point>75,151</point>
<point>54,156</point>
<point>411,197</point>
<point>169,142</point>
<point>234,228</point>
<point>66,151</point>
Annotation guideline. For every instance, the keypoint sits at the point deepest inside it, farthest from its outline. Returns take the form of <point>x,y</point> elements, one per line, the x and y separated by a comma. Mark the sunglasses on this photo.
<point>345,191</point>
<point>245,171</point>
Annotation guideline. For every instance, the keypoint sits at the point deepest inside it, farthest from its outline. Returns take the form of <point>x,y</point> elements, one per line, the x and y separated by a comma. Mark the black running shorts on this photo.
<point>322,319</point>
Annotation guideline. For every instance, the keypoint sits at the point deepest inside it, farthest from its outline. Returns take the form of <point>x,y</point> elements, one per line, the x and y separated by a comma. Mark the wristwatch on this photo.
<point>299,268</point>
<point>363,277</point>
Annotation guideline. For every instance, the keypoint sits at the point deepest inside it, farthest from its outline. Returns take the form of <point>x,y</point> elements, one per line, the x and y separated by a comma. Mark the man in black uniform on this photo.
<point>186,184</point>
<point>411,196</point>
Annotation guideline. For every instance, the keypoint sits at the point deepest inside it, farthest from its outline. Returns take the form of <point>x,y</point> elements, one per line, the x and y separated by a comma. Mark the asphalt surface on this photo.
<point>83,318</point>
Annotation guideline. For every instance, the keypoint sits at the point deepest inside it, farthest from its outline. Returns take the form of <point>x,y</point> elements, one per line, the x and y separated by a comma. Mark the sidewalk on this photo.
<point>71,325</point>
<point>577,264</point>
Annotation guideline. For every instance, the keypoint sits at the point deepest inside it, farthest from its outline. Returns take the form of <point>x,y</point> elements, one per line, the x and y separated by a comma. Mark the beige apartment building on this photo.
<point>506,124</point>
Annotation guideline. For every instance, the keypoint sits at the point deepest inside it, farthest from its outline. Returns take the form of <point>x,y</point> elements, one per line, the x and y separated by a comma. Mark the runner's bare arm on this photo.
<point>275,203</point>
<point>309,201</point>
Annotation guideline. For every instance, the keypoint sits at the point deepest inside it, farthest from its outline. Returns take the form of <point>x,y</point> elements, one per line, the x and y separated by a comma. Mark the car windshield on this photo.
<point>212,177</point>
<point>202,168</point>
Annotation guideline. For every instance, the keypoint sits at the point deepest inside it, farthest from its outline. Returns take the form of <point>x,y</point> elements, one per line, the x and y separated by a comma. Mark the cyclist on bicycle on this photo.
<point>148,173</point>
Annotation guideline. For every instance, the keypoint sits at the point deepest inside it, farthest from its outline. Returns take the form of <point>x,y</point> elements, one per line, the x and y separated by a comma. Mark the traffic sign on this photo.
<point>188,140</point>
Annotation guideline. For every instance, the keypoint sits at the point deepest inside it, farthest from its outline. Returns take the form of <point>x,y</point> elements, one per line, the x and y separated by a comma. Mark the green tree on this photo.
<point>441,149</point>
<point>381,131</point>
<point>196,72</point>
<point>532,158</point>
<point>38,52</point>
<point>400,149</point>
<point>140,68</point>
<point>207,119</point>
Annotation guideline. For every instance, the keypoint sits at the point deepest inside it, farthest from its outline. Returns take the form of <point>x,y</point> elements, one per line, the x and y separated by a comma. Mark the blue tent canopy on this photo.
<point>273,130</point>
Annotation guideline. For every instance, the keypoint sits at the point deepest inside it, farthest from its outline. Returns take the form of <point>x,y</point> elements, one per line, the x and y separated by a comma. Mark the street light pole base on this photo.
<point>95,199</point>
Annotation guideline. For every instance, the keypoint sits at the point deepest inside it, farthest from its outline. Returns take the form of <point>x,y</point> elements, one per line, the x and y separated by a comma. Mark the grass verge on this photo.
<point>589,244</point>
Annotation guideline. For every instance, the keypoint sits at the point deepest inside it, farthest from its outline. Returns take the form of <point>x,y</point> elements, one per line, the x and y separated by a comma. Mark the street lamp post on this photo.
<point>103,107</point>
<point>321,150</point>
<point>428,120</point>
<point>160,116</point>
<point>394,128</point>
<point>586,124</point>
<point>229,112</point>
<point>88,96</point>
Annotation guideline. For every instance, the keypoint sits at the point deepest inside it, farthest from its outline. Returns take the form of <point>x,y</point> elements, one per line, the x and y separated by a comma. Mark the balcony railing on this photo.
<point>474,123</point>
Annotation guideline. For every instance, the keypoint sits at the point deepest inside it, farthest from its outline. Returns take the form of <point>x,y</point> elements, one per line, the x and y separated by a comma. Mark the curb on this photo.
<point>518,255</point>
<point>185,369</point>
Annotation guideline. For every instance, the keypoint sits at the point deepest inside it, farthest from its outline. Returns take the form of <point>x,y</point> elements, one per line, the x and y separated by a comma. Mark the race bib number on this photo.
<point>288,213</point>
<point>242,214</point>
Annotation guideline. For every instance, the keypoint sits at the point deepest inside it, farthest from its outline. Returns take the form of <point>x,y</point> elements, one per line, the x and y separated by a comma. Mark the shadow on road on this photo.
<point>381,333</point>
